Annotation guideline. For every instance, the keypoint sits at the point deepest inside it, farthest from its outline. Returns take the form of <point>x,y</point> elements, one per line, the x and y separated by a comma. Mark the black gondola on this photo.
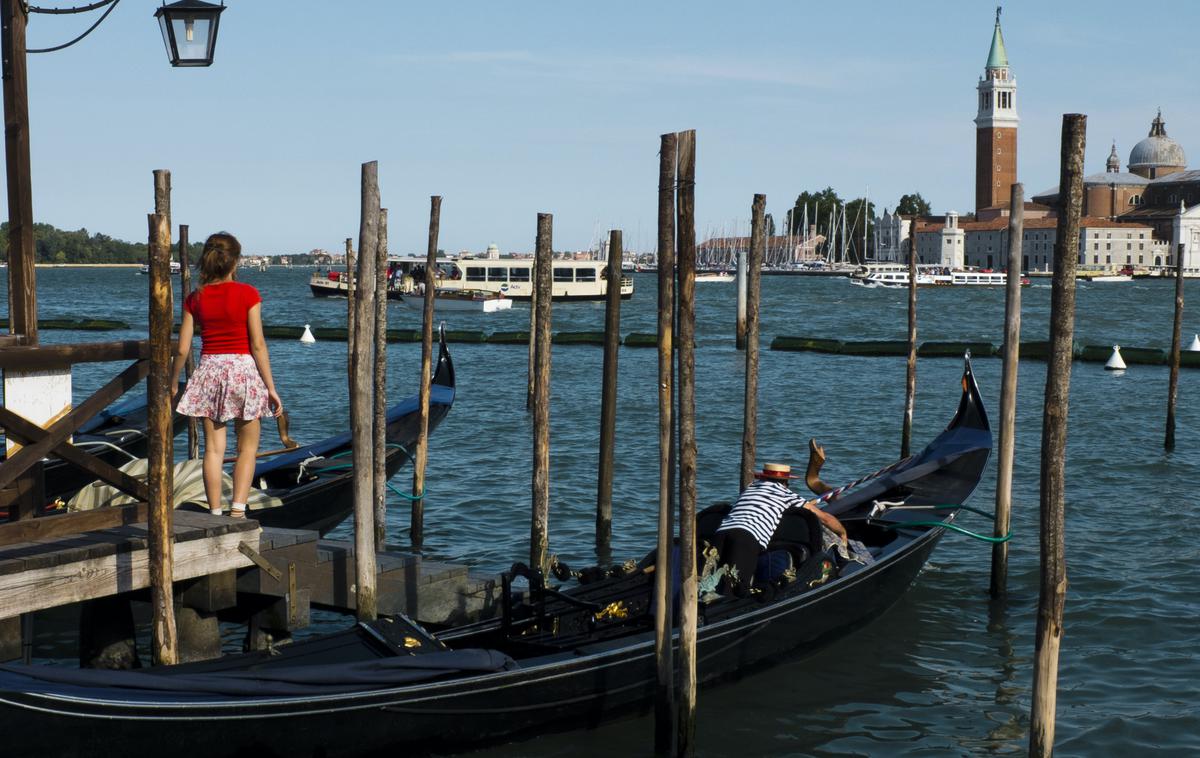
<point>311,486</point>
<point>555,660</point>
<point>314,483</point>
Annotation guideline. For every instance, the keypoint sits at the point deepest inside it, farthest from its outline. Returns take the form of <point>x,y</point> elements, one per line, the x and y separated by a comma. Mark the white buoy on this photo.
<point>1195,346</point>
<point>1115,362</point>
<point>307,337</point>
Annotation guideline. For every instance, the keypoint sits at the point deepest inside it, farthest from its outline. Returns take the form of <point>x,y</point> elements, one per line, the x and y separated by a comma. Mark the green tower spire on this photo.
<point>997,57</point>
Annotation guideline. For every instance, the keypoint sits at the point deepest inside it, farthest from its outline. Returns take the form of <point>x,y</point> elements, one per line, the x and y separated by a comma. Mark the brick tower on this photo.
<point>996,128</point>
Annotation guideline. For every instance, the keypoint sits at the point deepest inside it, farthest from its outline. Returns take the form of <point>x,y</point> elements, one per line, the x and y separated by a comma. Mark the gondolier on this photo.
<point>750,524</point>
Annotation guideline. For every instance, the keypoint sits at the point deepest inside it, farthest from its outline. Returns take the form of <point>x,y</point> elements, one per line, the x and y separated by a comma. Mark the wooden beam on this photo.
<point>60,430</point>
<point>53,586</point>
<point>71,523</point>
<point>36,358</point>
<point>27,432</point>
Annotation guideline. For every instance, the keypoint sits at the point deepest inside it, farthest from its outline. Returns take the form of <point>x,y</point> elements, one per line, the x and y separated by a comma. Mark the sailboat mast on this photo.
<point>866,220</point>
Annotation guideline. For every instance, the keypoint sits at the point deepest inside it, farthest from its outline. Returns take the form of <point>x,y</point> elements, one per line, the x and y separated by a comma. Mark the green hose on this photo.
<point>345,466</point>
<point>944,525</point>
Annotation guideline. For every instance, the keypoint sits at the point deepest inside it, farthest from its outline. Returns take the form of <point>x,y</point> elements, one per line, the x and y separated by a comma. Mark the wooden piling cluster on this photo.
<point>1053,590</point>
<point>910,376</point>
<point>1176,344</point>
<point>688,590</point>
<point>664,700</point>
<point>379,390</point>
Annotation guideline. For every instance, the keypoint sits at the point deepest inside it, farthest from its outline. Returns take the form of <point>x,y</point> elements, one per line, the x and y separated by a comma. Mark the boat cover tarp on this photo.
<point>296,681</point>
<point>189,488</point>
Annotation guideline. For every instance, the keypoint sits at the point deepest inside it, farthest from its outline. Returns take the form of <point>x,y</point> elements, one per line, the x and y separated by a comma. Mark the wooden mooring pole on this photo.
<point>350,357</point>
<point>22,277</point>
<point>1008,390</point>
<point>910,375</point>
<point>664,724</point>
<point>688,594</point>
<point>1053,592</point>
<point>379,395</point>
<point>539,540</point>
<point>742,267</point>
<point>160,458</point>
<point>608,395</point>
<point>531,378</point>
<point>753,279</point>
<point>1176,339</point>
<point>361,420</point>
<point>417,521</point>
<point>185,287</point>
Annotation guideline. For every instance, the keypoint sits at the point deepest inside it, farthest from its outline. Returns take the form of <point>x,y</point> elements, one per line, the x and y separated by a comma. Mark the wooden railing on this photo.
<point>20,495</point>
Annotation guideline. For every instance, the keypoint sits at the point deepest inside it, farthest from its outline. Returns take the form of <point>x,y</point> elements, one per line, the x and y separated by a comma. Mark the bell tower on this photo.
<point>995,128</point>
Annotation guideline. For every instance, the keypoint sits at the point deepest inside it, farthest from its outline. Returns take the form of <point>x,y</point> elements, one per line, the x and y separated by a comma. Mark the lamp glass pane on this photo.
<point>163,25</point>
<point>191,36</point>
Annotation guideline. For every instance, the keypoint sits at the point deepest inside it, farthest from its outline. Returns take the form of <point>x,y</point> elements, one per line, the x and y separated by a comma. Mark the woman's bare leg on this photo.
<point>214,458</point>
<point>247,446</point>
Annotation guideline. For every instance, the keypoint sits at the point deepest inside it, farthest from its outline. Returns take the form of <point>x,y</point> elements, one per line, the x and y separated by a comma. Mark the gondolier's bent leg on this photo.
<point>739,550</point>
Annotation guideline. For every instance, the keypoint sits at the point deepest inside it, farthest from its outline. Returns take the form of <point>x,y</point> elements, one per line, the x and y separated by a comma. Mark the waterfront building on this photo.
<point>1103,243</point>
<point>891,235</point>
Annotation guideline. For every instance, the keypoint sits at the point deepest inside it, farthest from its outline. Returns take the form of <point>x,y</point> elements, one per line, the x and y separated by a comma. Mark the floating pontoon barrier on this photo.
<point>875,347</point>
<point>462,336</point>
<point>956,349</point>
<point>1149,356</point>
<point>578,338</point>
<point>807,343</point>
<point>283,332</point>
<point>1189,358</point>
<point>508,338</point>
<point>641,339</point>
<point>84,324</point>
<point>1039,350</point>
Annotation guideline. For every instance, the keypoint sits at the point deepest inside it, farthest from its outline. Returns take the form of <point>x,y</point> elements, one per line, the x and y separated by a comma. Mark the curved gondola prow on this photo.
<point>443,372</point>
<point>946,472</point>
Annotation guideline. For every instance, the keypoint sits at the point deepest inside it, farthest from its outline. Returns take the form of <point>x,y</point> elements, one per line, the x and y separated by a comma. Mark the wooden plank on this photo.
<point>60,430</point>
<point>70,523</point>
<point>60,585</point>
<point>30,358</point>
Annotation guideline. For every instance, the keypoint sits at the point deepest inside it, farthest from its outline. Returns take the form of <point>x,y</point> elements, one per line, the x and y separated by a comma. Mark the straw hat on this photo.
<point>776,472</point>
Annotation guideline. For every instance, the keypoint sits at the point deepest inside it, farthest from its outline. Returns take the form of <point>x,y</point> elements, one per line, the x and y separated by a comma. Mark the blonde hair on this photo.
<point>219,258</point>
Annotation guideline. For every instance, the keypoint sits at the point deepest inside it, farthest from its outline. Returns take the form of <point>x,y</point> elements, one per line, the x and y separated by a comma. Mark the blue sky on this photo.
<point>510,109</point>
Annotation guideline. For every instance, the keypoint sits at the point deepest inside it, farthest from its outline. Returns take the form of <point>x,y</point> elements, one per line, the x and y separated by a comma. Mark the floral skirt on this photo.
<point>225,386</point>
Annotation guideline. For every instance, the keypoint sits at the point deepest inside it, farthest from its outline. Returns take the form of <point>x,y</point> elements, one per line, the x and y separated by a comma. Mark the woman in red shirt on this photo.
<point>233,380</point>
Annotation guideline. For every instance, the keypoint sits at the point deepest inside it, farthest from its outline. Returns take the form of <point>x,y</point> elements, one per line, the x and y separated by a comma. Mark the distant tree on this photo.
<point>819,205</point>
<point>913,205</point>
<point>770,225</point>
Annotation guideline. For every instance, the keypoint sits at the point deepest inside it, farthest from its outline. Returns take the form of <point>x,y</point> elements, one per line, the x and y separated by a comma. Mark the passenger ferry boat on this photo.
<point>513,277</point>
<point>176,269</point>
<point>896,275</point>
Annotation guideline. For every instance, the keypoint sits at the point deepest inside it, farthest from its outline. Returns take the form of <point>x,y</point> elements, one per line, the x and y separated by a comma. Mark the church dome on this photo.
<point>1157,150</point>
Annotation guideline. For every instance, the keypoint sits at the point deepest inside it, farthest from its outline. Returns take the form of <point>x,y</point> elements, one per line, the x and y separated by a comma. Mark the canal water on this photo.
<point>945,672</point>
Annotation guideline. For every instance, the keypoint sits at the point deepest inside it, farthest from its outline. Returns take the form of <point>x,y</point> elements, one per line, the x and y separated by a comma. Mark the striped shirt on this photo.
<point>760,508</point>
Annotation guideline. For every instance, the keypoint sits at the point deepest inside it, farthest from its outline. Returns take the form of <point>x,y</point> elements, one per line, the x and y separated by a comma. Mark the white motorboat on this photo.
<point>480,301</point>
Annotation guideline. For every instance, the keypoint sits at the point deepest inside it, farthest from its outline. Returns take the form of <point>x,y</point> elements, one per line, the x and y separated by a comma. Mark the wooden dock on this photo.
<point>227,569</point>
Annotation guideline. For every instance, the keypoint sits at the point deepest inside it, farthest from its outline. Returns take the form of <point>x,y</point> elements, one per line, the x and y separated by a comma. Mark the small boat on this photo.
<point>176,269</point>
<point>480,301</point>
<point>308,486</point>
<point>715,276</point>
<point>552,660</point>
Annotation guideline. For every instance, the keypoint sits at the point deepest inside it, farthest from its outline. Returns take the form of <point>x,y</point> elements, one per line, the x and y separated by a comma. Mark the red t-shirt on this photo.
<point>220,311</point>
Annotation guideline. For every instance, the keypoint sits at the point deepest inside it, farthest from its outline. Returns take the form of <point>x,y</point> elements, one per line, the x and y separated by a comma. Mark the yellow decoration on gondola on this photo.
<point>616,610</point>
<point>411,642</point>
